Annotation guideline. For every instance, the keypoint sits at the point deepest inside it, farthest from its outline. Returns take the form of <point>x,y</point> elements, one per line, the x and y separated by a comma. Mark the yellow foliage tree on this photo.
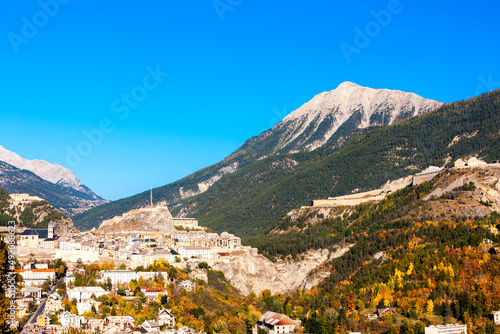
<point>107,265</point>
<point>430,307</point>
<point>410,269</point>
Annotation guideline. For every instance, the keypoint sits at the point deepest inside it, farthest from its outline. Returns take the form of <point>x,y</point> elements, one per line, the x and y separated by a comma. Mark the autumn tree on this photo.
<point>5,326</point>
<point>430,307</point>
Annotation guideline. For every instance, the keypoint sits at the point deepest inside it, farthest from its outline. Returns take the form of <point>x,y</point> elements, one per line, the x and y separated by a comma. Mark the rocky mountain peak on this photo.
<point>347,107</point>
<point>328,119</point>
<point>50,172</point>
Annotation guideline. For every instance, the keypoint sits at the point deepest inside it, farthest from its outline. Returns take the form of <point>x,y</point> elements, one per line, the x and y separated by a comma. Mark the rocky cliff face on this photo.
<point>153,218</point>
<point>249,272</point>
<point>331,115</point>
<point>481,196</point>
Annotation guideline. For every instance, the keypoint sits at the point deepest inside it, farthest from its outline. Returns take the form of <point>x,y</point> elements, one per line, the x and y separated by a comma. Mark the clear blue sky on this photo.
<point>233,71</point>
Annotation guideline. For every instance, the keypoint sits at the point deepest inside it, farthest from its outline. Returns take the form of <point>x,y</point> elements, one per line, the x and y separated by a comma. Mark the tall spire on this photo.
<point>151,196</point>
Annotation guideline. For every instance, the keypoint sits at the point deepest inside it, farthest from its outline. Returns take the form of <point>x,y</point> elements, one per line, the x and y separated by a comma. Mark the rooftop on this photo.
<point>36,270</point>
<point>277,319</point>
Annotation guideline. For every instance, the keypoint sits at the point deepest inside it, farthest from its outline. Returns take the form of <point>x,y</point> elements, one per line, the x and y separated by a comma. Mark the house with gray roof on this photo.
<point>34,237</point>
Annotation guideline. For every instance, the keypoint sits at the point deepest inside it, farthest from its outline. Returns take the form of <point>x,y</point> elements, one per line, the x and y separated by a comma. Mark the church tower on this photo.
<point>50,231</point>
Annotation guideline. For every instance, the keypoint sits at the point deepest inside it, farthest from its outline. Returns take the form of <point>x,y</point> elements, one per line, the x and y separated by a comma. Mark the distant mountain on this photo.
<point>53,173</point>
<point>65,199</point>
<point>326,122</point>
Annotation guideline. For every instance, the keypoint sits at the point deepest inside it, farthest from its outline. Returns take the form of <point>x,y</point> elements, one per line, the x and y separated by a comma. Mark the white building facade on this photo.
<point>71,320</point>
<point>118,276</point>
<point>195,252</point>
<point>446,329</point>
<point>125,276</point>
<point>38,273</point>
<point>83,293</point>
<point>496,317</point>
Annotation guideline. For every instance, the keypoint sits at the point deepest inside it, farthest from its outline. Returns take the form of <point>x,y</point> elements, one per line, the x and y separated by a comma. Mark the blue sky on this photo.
<point>235,68</point>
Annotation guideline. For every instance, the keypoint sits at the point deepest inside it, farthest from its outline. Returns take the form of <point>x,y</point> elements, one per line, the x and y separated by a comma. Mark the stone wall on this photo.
<point>419,178</point>
<point>74,255</point>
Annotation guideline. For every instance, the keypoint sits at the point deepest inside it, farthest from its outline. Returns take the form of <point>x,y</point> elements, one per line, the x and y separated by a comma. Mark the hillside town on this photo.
<point>183,244</point>
<point>68,279</point>
<point>175,240</point>
<point>140,247</point>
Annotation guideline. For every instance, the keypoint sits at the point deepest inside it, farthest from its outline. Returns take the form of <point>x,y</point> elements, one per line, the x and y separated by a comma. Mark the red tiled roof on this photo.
<point>36,270</point>
<point>277,319</point>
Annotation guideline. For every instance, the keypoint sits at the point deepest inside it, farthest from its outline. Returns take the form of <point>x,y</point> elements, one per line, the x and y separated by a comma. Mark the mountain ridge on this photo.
<point>65,199</point>
<point>324,108</point>
<point>247,201</point>
<point>53,173</point>
<point>377,107</point>
<point>268,144</point>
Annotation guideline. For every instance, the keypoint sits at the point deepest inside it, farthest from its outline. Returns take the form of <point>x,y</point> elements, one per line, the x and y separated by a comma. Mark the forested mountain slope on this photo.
<point>250,199</point>
<point>327,121</point>
<point>433,259</point>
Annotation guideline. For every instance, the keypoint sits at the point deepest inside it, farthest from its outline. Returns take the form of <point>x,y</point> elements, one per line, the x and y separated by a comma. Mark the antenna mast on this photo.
<point>151,196</point>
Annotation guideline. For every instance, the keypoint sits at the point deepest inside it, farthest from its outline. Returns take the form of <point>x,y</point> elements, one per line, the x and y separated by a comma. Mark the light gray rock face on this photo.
<point>156,218</point>
<point>53,173</point>
<point>249,272</point>
<point>332,115</point>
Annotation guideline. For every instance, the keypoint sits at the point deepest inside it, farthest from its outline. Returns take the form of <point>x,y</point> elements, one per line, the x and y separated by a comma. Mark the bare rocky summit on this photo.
<point>50,172</point>
<point>331,115</point>
<point>328,120</point>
